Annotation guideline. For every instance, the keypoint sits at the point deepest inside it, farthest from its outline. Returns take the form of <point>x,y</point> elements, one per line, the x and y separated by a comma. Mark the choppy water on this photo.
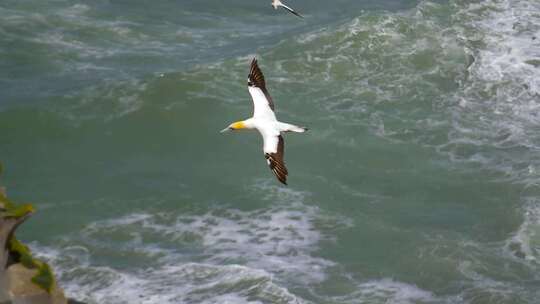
<point>417,183</point>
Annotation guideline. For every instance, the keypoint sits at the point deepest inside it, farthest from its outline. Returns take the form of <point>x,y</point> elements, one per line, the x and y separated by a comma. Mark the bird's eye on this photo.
<point>250,83</point>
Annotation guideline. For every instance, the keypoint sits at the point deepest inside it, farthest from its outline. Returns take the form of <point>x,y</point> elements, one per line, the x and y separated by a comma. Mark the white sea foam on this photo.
<point>187,283</point>
<point>498,105</point>
<point>525,243</point>
<point>204,283</point>
<point>387,291</point>
<point>510,32</point>
<point>171,279</point>
<point>242,256</point>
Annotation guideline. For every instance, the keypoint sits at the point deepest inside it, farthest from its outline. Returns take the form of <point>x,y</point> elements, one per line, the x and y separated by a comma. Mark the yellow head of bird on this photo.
<point>239,125</point>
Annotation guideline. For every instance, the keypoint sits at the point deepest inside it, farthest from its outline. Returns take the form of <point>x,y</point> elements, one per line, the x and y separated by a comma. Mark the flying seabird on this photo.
<point>264,120</point>
<point>278,3</point>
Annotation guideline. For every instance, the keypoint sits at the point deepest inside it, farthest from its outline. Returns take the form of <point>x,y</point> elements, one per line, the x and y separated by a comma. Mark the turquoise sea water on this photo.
<point>418,181</point>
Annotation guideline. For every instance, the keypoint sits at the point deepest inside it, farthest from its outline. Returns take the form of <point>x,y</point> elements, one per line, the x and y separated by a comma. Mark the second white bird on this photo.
<point>277,3</point>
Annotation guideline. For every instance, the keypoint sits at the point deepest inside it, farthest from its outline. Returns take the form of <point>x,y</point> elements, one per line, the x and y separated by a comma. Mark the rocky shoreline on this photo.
<point>23,279</point>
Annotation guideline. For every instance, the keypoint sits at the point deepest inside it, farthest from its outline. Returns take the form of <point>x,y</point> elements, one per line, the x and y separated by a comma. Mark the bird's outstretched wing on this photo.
<point>262,102</point>
<point>275,160</point>
<point>290,10</point>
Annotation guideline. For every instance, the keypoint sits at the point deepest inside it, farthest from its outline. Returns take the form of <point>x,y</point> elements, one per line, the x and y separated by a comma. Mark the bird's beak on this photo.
<point>225,130</point>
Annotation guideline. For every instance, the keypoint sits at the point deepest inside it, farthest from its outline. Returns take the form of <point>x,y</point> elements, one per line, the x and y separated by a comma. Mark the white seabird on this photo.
<point>264,120</point>
<point>277,3</point>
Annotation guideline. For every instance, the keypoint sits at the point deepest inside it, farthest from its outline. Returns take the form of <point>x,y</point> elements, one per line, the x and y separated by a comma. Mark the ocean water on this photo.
<point>418,181</point>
